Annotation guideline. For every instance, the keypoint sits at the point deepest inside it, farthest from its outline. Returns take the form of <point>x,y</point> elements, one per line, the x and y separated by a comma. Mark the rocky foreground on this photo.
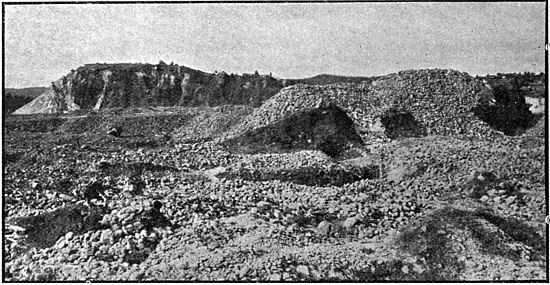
<point>158,204</point>
<point>424,175</point>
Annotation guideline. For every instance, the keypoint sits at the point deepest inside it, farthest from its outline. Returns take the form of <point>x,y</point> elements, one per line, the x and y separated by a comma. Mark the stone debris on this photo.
<point>441,101</point>
<point>447,205</point>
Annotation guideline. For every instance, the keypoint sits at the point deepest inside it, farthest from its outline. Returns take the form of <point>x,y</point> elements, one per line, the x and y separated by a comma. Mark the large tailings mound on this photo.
<point>436,102</point>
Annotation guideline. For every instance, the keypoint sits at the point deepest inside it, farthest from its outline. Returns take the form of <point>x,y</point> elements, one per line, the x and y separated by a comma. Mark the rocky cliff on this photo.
<point>98,86</point>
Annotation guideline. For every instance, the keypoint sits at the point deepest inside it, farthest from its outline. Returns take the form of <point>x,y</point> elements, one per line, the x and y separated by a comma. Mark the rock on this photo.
<point>118,233</point>
<point>484,198</point>
<point>211,173</point>
<point>302,269</point>
<point>324,228</point>
<point>136,275</point>
<point>286,276</point>
<point>213,245</point>
<point>242,272</point>
<point>418,269</point>
<point>277,214</point>
<point>115,131</point>
<point>510,200</point>
<point>405,269</point>
<point>263,206</point>
<point>157,205</point>
<point>65,197</point>
<point>69,235</point>
<point>275,277</point>
<point>105,235</point>
<point>350,222</point>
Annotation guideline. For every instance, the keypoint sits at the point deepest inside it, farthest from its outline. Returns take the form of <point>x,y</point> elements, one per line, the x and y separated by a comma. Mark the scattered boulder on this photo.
<point>350,222</point>
<point>95,190</point>
<point>115,132</point>
<point>324,228</point>
<point>157,205</point>
<point>302,269</point>
<point>211,173</point>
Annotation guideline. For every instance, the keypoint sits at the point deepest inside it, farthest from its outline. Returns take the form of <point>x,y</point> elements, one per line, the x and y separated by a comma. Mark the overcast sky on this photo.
<point>44,42</point>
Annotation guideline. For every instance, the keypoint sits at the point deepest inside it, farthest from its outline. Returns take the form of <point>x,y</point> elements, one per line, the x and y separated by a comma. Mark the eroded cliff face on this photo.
<point>98,86</point>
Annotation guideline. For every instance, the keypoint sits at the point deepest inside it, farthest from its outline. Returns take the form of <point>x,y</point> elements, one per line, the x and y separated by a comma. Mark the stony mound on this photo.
<point>445,238</point>
<point>327,129</point>
<point>441,102</point>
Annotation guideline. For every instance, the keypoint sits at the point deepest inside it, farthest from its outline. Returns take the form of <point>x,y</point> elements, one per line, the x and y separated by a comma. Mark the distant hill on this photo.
<point>325,79</point>
<point>31,92</point>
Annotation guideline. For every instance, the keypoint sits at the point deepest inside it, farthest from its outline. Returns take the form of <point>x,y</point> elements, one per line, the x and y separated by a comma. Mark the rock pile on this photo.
<point>441,101</point>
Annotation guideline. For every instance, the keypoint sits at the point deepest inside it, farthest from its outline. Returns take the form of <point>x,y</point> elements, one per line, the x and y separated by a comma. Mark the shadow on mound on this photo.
<point>44,230</point>
<point>400,124</point>
<point>510,114</point>
<point>430,239</point>
<point>328,129</point>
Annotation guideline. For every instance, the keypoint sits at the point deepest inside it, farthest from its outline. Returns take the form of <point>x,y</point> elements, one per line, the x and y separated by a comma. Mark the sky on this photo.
<point>290,40</point>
